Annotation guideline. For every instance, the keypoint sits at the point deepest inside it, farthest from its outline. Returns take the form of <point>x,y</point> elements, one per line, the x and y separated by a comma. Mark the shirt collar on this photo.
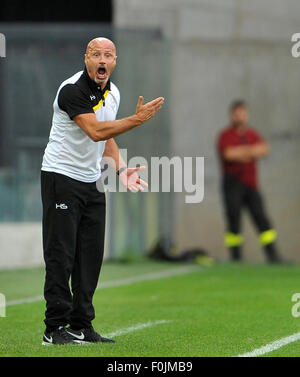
<point>93,85</point>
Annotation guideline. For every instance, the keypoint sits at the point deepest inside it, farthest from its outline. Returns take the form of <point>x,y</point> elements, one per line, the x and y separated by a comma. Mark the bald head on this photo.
<point>100,42</point>
<point>100,59</point>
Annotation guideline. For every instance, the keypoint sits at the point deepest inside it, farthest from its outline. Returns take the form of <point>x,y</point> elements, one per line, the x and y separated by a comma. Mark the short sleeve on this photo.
<point>72,100</point>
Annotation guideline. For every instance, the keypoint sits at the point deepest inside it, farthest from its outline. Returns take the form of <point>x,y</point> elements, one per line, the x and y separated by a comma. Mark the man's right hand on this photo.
<point>149,109</point>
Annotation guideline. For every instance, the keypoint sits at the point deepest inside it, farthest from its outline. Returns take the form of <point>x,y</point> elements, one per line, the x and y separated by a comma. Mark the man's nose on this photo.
<point>102,59</point>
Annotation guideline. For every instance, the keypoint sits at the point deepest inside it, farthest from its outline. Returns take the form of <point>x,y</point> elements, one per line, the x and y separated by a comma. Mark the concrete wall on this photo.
<point>273,20</point>
<point>222,50</point>
<point>21,243</point>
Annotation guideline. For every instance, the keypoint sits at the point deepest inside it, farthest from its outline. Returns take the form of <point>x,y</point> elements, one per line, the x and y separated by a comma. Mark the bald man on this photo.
<point>83,129</point>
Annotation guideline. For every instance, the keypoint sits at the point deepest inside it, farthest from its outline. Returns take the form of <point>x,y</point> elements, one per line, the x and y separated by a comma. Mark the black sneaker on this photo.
<point>87,335</point>
<point>58,336</point>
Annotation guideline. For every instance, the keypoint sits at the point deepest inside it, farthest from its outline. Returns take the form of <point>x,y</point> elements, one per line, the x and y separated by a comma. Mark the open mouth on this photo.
<point>101,71</point>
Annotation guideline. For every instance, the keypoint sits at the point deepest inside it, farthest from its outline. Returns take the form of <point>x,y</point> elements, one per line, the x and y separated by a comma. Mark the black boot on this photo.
<point>272,254</point>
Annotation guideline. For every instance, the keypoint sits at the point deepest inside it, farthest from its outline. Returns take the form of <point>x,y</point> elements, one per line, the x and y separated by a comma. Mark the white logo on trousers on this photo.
<point>61,206</point>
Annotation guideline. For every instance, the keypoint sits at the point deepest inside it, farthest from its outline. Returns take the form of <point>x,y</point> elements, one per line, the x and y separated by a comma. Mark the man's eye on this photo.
<point>108,55</point>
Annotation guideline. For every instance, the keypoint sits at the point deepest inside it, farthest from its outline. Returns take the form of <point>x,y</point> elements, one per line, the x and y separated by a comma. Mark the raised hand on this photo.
<point>149,109</point>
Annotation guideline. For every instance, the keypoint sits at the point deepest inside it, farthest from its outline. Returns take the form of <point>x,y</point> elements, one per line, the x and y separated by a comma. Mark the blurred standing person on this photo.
<point>83,129</point>
<point>240,147</point>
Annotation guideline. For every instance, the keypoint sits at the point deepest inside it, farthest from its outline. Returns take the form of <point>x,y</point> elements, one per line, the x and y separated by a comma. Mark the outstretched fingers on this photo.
<point>148,110</point>
<point>156,102</point>
<point>142,182</point>
<point>140,103</point>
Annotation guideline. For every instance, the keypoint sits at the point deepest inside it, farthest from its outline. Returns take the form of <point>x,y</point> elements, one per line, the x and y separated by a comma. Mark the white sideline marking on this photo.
<point>149,276</point>
<point>26,300</point>
<point>272,346</point>
<point>139,326</point>
<point>117,283</point>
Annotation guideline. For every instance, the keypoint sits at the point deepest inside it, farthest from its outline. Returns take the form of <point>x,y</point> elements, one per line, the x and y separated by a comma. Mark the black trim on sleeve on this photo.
<point>73,101</point>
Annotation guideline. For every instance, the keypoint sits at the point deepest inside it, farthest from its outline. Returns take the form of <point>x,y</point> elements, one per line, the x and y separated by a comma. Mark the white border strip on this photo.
<point>150,276</point>
<point>272,346</point>
<point>139,326</point>
<point>117,283</point>
<point>27,300</point>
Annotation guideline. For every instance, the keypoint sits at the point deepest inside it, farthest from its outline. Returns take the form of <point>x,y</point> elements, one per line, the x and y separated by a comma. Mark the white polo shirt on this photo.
<point>70,151</point>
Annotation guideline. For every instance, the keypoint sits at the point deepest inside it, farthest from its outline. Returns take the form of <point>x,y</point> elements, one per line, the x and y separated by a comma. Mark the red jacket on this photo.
<point>246,173</point>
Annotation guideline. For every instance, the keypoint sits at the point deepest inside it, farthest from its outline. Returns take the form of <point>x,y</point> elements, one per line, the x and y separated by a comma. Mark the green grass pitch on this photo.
<point>225,310</point>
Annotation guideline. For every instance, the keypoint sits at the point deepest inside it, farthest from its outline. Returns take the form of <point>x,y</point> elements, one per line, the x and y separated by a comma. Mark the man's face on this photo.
<point>100,60</point>
<point>240,115</point>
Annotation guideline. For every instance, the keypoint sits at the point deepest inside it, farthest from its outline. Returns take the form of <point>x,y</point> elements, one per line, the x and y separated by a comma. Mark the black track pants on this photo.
<point>238,196</point>
<point>73,242</point>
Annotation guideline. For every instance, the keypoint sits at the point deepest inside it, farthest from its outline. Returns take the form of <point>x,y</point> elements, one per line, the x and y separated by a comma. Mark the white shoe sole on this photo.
<point>47,344</point>
<point>81,342</point>
<point>74,342</point>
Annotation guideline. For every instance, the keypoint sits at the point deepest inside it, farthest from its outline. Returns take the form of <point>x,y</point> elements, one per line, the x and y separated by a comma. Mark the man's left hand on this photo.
<point>131,179</point>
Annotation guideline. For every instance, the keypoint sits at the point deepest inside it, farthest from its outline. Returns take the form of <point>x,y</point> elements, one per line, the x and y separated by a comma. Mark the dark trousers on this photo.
<point>73,243</point>
<point>237,196</point>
